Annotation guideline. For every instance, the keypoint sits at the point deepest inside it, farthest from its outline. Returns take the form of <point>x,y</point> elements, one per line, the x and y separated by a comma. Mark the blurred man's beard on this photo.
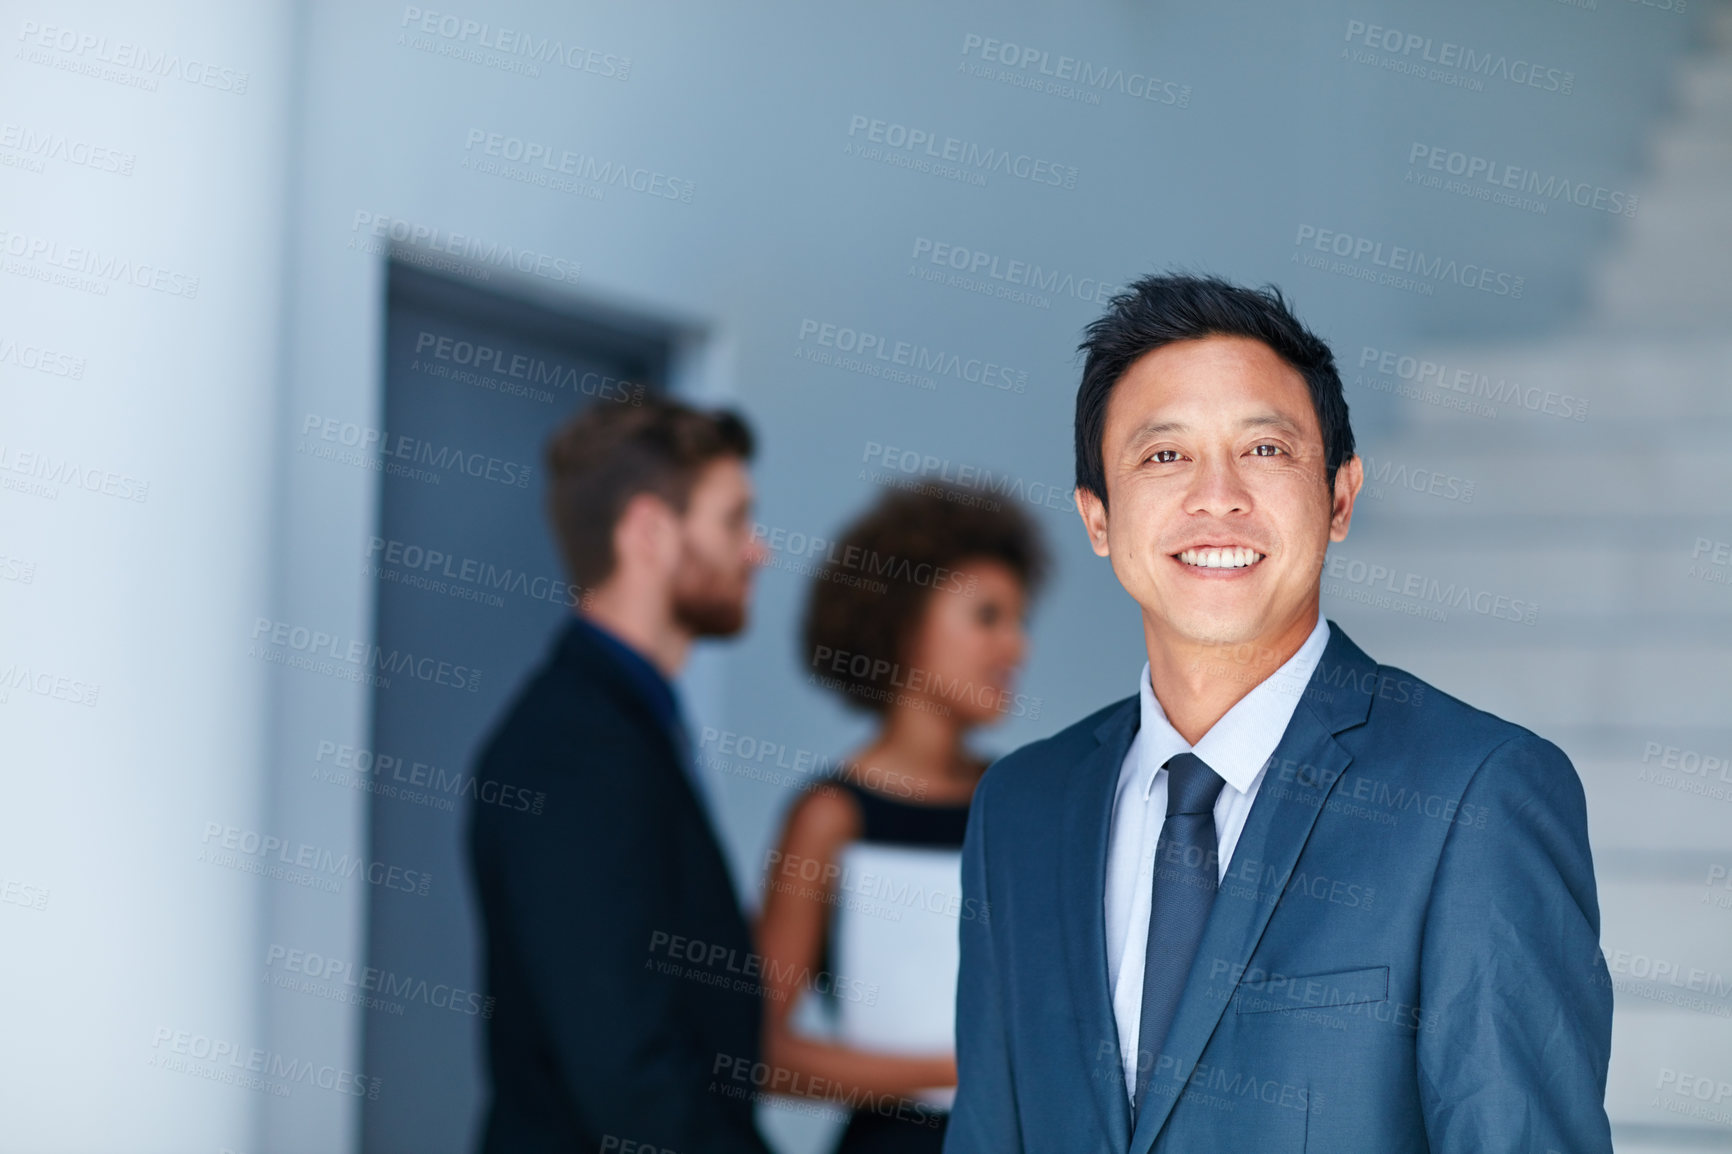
<point>702,605</point>
<point>705,615</point>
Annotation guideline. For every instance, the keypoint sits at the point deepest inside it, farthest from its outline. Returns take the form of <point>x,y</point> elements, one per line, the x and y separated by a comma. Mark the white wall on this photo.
<point>131,581</point>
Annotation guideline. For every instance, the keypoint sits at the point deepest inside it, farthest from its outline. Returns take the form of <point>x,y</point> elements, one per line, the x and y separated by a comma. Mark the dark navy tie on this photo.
<point>1187,872</point>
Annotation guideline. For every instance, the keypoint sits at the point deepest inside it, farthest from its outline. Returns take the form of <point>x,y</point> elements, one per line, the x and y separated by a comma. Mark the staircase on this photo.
<point>1611,524</point>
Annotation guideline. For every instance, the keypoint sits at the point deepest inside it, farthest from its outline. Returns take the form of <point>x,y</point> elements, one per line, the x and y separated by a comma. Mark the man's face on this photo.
<point>1219,516</point>
<point>713,580</point>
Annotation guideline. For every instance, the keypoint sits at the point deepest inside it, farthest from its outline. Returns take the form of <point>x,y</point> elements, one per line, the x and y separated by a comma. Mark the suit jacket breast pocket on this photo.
<point>1274,993</point>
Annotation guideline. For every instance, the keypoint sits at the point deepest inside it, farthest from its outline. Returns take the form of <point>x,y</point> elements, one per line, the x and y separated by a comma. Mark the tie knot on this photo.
<point>1192,786</point>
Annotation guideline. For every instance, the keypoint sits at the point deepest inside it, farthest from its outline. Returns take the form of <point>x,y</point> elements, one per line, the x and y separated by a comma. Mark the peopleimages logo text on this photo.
<point>104,265</point>
<point>1414,264</point>
<point>915,357</point>
<point>491,254</point>
<point>1411,46</point>
<point>904,138</point>
<point>1024,274</point>
<point>515,42</point>
<point>317,644</point>
<point>151,63</point>
<point>1498,175</point>
<point>1083,73</point>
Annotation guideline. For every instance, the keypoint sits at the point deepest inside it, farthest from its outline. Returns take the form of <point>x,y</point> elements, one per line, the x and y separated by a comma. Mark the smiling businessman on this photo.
<point>1282,898</point>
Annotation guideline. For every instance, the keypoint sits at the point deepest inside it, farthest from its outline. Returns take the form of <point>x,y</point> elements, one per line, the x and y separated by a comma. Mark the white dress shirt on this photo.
<point>1237,748</point>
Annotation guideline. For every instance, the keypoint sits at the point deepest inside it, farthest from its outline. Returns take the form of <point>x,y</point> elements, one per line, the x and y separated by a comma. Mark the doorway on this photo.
<point>469,594</point>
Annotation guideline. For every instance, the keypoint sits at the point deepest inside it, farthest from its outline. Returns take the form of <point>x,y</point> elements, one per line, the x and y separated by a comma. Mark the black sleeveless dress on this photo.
<point>884,819</point>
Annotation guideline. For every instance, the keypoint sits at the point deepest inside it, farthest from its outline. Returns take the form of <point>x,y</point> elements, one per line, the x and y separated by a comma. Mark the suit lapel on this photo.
<point>1300,774</point>
<point>1087,821</point>
<point>585,657</point>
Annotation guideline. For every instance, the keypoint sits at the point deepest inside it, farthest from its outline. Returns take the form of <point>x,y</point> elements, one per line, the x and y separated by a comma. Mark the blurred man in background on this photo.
<point>602,1037</point>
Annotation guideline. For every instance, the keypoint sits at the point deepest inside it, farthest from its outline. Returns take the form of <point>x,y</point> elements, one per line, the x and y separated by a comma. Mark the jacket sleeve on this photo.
<point>583,886</point>
<point>983,1118</point>
<point>1515,1000</point>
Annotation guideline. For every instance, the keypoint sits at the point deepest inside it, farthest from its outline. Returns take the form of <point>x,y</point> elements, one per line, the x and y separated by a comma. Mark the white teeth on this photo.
<point>1221,558</point>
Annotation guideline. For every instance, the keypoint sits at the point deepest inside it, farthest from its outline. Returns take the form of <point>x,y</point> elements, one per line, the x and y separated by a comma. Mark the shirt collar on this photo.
<point>649,682</point>
<point>1237,746</point>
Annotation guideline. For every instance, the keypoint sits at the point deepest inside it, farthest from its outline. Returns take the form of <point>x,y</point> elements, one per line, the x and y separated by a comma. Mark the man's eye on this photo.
<point>1165,456</point>
<point>1274,450</point>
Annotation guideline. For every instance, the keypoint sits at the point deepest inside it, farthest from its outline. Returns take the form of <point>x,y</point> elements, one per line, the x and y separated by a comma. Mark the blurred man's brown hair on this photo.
<point>606,455</point>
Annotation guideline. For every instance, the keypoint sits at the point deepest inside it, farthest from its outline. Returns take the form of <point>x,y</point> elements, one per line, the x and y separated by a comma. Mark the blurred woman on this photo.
<point>927,593</point>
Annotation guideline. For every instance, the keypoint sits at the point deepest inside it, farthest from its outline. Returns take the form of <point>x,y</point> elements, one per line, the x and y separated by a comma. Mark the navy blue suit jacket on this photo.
<point>1403,956</point>
<point>605,1031</point>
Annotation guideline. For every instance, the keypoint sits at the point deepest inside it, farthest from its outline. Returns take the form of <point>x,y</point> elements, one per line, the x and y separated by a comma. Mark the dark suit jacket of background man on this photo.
<point>589,1039</point>
<point>1403,956</point>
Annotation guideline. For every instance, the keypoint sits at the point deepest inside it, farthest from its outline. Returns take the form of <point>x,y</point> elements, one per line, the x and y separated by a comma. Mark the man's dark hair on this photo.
<point>1161,310</point>
<point>609,453</point>
<point>871,594</point>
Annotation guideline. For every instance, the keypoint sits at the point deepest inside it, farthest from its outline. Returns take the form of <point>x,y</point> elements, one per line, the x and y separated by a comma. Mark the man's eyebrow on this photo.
<point>1269,420</point>
<point>1261,420</point>
<point>1156,428</point>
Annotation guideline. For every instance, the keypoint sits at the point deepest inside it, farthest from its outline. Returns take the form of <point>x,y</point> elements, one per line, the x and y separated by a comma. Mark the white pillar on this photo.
<point>141,188</point>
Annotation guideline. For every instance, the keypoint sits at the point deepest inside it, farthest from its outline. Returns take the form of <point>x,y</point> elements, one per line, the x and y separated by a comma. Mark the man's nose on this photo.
<point>1217,488</point>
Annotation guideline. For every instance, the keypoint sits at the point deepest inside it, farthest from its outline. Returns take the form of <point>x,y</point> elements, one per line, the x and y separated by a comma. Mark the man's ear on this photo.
<point>1349,479</point>
<point>647,534</point>
<point>1094,518</point>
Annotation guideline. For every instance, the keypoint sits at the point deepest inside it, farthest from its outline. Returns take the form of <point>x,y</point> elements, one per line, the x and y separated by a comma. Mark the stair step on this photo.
<point>1596,580</point>
<point>1646,378</point>
<point>1543,684</point>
